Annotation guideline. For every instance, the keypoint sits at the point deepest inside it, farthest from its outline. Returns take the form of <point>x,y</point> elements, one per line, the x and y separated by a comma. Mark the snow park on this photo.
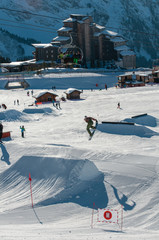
<point>55,183</point>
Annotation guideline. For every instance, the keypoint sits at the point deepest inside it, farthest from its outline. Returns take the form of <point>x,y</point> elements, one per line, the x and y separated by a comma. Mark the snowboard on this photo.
<point>93,131</point>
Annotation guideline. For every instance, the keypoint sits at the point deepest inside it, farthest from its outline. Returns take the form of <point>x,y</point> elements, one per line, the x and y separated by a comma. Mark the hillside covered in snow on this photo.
<point>136,20</point>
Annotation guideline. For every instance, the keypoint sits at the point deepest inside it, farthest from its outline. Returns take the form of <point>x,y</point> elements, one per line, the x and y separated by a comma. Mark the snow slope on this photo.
<point>119,166</point>
<point>136,20</point>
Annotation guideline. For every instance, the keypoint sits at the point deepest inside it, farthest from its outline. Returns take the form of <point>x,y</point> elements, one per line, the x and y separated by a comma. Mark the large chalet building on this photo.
<point>97,45</point>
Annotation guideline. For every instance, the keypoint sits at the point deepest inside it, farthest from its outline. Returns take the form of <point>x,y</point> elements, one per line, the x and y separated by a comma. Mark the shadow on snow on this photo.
<point>145,120</point>
<point>5,155</point>
<point>121,129</point>
<point>56,180</point>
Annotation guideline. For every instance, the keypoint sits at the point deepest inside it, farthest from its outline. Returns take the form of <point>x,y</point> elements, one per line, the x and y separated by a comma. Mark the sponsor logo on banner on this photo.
<point>107,215</point>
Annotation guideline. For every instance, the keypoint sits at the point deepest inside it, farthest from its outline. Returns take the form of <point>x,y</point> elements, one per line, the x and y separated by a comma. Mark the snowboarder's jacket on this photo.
<point>89,119</point>
<point>22,129</point>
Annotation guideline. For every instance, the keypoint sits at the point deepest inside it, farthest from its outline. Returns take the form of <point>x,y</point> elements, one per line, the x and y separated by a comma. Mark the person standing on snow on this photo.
<point>89,121</point>
<point>1,131</point>
<point>22,131</point>
<point>118,106</point>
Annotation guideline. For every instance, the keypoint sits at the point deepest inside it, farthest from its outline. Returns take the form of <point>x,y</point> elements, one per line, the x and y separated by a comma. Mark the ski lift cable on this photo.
<point>71,46</point>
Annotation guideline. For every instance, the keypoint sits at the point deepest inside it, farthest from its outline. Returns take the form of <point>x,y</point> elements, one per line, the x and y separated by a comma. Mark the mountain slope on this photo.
<point>136,20</point>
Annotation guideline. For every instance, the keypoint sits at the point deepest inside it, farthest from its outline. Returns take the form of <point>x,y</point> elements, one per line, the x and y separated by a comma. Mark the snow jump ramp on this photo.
<point>54,180</point>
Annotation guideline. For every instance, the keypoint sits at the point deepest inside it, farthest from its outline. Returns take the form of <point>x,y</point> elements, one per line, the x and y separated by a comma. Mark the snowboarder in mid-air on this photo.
<point>89,121</point>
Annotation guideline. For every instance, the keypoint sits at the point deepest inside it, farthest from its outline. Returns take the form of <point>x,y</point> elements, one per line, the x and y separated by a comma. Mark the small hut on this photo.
<point>133,79</point>
<point>45,97</point>
<point>155,75</point>
<point>72,93</point>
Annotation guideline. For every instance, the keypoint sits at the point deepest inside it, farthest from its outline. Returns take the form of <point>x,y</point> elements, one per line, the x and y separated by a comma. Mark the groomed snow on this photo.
<point>119,166</point>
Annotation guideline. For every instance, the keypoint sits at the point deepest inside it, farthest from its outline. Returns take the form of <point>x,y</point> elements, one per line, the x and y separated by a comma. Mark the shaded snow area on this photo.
<point>71,176</point>
<point>13,115</point>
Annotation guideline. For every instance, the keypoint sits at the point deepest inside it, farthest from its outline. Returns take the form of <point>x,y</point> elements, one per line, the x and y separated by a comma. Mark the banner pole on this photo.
<point>121,218</point>
<point>31,190</point>
<point>92,215</point>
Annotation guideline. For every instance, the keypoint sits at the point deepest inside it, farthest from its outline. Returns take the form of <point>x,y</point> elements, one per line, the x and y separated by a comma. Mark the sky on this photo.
<point>73,177</point>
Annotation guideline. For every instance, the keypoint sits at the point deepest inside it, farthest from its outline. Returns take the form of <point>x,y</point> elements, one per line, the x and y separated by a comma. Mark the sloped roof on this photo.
<point>108,33</point>
<point>111,33</point>
<point>127,53</point>
<point>41,93</point>
<point>70,90</point>
<point>118,39</point>
<point>69,20</point>
<point>99,27</point>
<point>18,63</point>
<point>42,45</point>
<point>137,73</point>
<point>122,48</point>
<point>61,38</point>
<point>64,29</point>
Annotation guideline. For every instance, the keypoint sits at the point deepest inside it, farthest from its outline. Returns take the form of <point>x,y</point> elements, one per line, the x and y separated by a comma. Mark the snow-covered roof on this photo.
<point>99,27</point>
<point>78,15</point>
<point>122,48</point>
<point>64,29</point>
<point>144,74</point>
<point>156,71</point>
<point>137,73</point>
<point>125,74</point>
<point>56,43</point>
<point>70,90</point>
<point>108,33</point>
<point>111,33</point>
<point>41,93</point>
<point>118,39</point>
<point>3,70</point>
<point>16,64</point>
<point>69,20</point>
<point>61,38</point>
<point>127,53</point>
<point>42,45</point>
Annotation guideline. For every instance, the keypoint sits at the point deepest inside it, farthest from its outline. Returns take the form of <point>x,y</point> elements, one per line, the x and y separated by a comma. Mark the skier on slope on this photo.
<point>89,121</point>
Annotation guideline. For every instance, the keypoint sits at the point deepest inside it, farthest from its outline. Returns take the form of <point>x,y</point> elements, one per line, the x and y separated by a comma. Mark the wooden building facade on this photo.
<point>45,52</point>
<point>45,97</point>
<point>133,80</point>
<point>72,93</point>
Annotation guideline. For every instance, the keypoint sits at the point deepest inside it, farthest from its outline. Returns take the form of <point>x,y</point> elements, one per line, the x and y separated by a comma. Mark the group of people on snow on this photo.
<point>16,101</point>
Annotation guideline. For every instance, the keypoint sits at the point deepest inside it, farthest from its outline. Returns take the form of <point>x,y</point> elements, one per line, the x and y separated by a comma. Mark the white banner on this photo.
<point>107,215</point>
